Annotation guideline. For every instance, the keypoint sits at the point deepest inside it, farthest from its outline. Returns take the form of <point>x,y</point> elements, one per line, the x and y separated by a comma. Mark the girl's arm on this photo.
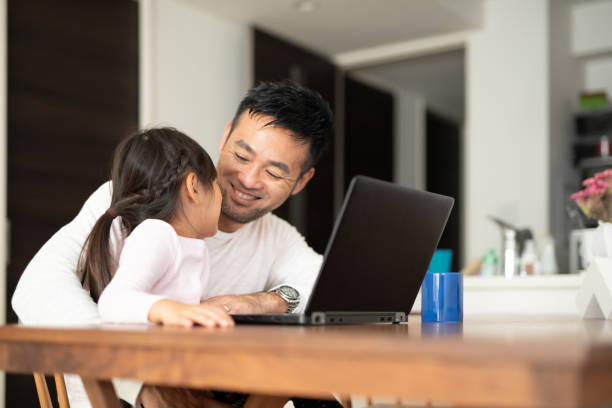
<point>151,253</point>
<point>148,254</point>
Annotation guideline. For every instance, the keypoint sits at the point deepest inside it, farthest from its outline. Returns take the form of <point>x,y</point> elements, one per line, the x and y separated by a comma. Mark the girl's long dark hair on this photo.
<point>147,172</point>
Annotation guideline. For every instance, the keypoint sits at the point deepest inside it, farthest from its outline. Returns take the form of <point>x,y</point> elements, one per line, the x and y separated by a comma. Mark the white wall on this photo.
<point>598,75</point>
<point>195,68</point>
<point>592,31</point>
<point>507,148</point>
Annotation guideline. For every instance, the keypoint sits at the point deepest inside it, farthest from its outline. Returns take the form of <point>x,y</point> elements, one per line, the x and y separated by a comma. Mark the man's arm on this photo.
<point>49,291</point>
<point>295,265</point>
<point>254,303</point>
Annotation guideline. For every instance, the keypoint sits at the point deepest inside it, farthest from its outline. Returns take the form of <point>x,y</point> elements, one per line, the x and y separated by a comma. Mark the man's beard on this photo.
<point>241,218</point>
<point>249,216</point>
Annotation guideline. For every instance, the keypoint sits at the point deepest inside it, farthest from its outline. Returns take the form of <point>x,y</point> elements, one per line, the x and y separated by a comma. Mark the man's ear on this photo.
<point>191,186</point>
<point>302,181</point>
<point>226,134</point>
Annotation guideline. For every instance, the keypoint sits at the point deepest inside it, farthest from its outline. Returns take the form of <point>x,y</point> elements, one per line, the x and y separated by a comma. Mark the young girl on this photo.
<point>166,194</point>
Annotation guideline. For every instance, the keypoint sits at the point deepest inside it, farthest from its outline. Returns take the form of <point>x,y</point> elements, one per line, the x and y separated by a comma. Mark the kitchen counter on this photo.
<point>535,295</point>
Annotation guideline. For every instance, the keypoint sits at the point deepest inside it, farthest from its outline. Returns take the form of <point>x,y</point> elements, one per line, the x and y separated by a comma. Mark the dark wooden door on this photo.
<point>72,94</point>
<point>312,210</point>
<point>443,147</point>
<point>368,140</point>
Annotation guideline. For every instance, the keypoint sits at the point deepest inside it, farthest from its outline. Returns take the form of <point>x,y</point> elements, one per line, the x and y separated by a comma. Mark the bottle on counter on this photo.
<point>509,267</point>
<point>488,267</point>
<point>529,263</point>
<point>548,261</point>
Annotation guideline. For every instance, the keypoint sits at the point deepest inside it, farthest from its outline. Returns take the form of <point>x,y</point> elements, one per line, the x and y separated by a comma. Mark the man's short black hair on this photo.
<point>302,111</point>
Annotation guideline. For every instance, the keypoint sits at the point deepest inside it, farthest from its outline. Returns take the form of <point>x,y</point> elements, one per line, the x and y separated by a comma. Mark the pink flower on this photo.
<point>578,195</point>
<point>588,181</point>
<point>595,200</point>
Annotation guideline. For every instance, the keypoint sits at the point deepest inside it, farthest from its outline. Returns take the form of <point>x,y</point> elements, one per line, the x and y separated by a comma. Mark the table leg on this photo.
<point>101,393</point>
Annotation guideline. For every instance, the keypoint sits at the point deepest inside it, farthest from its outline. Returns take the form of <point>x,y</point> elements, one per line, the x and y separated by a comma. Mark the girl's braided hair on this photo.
<point>147,172</point>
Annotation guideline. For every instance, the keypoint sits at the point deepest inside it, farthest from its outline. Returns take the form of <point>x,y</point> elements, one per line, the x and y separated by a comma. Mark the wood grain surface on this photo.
<point>530,362</point>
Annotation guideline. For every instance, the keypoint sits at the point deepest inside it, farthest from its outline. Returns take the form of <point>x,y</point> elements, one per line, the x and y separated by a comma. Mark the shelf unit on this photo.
<point>591,129</point>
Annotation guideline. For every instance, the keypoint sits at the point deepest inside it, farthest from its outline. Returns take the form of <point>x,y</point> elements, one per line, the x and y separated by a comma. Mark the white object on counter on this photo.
<point>524,295</point>
<point>529,263</point>
<point>594,298</point>
<point>548,263</point>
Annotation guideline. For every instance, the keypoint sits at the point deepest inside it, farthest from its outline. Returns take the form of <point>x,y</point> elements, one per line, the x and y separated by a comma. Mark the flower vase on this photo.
<point>605,230</point>
<point>596,243</point>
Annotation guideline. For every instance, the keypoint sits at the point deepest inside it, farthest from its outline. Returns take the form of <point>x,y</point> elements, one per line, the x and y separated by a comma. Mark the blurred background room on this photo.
<point>502,104</point>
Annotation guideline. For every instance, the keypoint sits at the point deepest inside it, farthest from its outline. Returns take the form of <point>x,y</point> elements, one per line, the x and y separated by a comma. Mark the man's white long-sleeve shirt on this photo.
<point>260,256</point>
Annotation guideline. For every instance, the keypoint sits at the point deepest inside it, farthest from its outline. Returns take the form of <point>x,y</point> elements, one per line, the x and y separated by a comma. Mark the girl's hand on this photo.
<point>172,313</point>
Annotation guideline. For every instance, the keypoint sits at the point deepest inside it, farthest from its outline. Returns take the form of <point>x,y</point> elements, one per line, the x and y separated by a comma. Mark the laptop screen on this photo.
<point>380,247</point>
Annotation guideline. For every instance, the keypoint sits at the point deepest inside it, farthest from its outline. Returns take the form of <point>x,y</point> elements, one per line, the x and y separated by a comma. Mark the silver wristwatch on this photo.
<point>290,295</point>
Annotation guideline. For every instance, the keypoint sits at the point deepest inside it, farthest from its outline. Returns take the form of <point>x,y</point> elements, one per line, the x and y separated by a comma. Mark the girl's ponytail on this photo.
<point>96,266</point>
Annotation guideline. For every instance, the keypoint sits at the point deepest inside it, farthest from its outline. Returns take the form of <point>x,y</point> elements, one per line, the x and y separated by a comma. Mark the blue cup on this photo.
<point>442,297</point>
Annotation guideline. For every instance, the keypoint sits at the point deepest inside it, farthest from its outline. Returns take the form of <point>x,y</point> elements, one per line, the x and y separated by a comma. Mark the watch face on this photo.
<point>289,292</point>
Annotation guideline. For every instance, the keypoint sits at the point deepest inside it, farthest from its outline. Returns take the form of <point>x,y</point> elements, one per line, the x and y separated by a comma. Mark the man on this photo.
<point>259,263</point>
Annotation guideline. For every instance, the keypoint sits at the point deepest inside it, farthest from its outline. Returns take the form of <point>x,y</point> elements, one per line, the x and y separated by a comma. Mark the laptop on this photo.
<point>376,258</point>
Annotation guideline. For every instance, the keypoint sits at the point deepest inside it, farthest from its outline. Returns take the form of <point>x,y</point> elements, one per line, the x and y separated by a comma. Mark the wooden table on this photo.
<point>518,362</point>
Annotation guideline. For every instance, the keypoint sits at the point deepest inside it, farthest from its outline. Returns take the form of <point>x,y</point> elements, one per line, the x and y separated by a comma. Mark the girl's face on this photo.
<point>198,213</point>
<point>207,210</point>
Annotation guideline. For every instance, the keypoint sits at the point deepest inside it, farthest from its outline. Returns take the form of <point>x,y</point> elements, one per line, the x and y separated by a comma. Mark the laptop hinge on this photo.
<point>339,317</point>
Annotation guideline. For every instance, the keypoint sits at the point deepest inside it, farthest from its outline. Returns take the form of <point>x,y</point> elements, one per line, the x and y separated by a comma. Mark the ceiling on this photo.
<point>335,27</point>
<point>339,26</point>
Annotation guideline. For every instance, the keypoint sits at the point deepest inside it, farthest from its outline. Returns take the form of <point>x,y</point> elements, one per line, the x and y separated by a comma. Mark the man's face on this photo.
<point>259,168</point>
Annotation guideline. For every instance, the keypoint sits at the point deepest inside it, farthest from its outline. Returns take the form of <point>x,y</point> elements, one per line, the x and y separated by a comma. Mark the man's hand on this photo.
<point>255,303</point>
